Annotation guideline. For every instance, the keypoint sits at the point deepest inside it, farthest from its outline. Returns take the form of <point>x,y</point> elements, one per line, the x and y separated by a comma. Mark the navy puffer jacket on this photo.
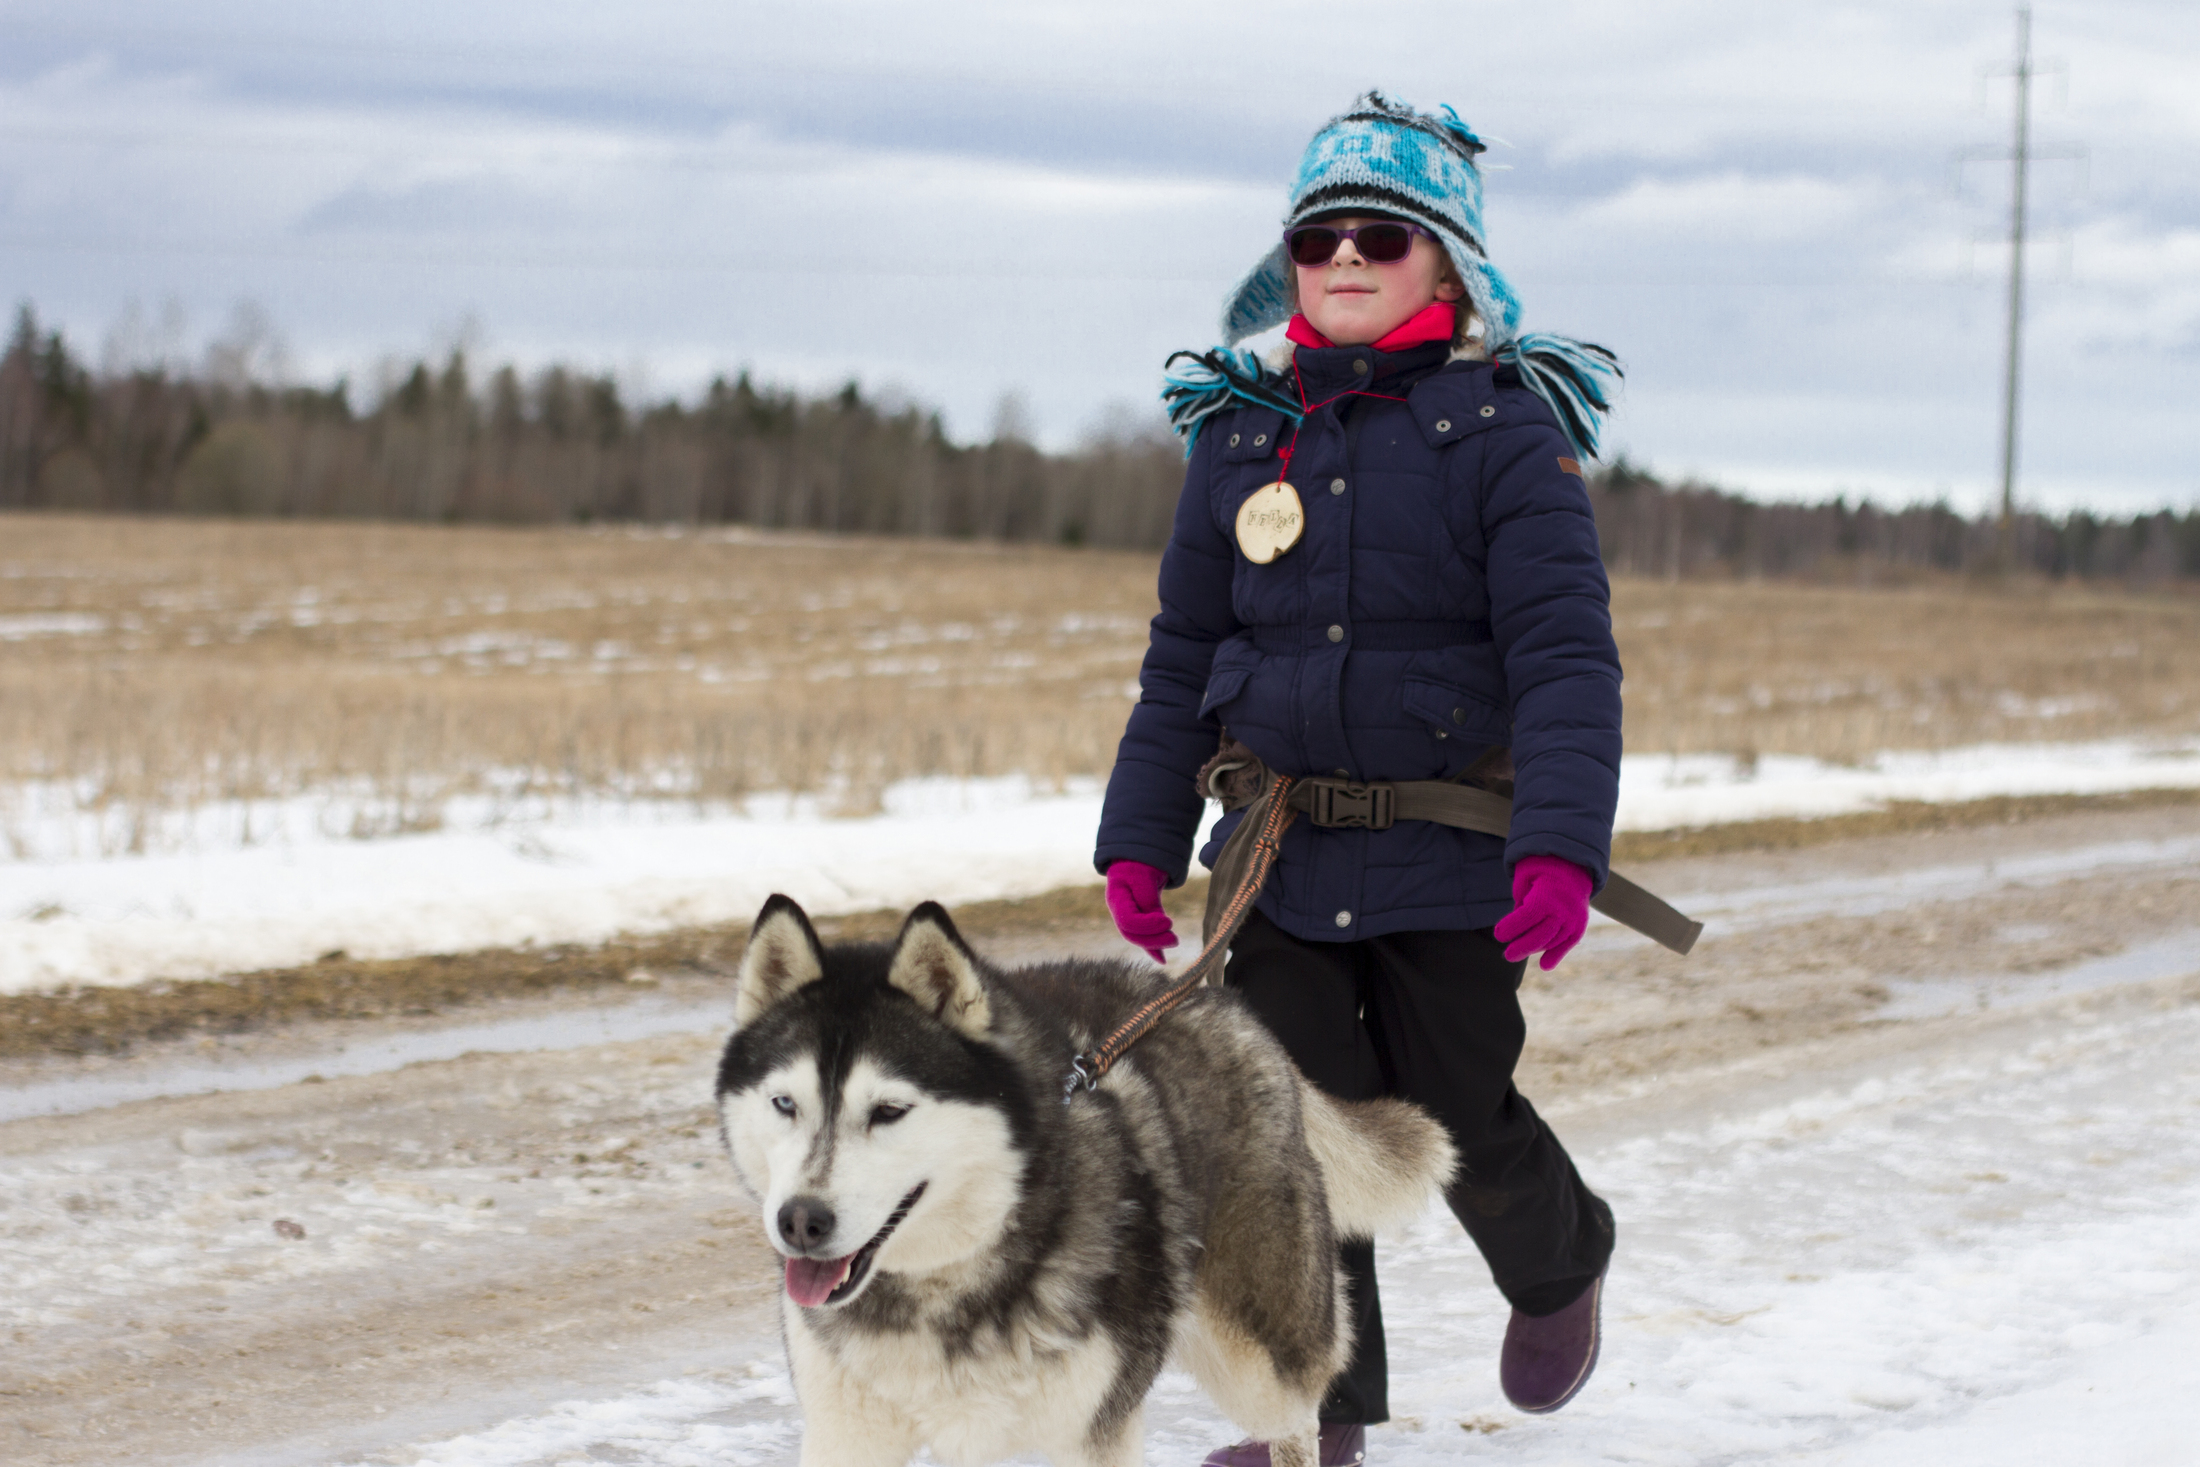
<point>1447,596</point>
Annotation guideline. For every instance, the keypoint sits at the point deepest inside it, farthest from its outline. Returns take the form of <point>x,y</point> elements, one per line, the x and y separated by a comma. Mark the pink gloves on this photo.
<point>1550,909</point>
<point>1134,901</point>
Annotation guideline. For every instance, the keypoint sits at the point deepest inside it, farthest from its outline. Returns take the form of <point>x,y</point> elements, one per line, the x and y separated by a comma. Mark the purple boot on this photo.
<point>1342,1446</point>
<point>1548,1360</point>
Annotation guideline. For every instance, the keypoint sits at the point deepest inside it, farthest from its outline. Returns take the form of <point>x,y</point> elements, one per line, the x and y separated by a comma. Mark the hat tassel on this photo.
<point>1211,380</point>
<point>1578,379</point>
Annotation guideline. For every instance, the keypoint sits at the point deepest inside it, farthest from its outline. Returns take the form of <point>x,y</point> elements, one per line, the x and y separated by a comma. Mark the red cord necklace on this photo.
<point>1307,410</point>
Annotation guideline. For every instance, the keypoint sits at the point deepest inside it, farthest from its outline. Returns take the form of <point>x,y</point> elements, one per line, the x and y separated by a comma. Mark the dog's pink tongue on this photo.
<point>809,1280</point>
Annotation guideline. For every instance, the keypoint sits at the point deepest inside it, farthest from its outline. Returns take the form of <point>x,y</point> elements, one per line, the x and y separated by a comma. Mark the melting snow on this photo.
<point>1986,1257</point>
<point>279,884</point>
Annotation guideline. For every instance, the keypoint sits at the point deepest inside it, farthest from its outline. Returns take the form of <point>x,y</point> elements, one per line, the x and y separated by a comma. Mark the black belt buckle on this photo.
<point>1339,803</point>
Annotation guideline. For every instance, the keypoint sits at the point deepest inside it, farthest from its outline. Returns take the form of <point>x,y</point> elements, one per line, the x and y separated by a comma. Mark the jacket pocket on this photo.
<point>1454,713</point>
<point>1224,685</point>
<point>1236,660</point>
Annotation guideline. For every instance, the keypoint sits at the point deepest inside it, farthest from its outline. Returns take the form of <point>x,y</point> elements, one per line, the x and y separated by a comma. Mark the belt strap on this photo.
<point>1241,870</point>
<point>1377,805</point>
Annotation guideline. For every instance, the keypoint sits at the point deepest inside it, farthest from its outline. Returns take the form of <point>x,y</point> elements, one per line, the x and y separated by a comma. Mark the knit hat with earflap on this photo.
<point>1382,157</point>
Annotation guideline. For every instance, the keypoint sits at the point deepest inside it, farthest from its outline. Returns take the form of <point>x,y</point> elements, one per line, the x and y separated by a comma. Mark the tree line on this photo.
<point>1687,530</point>
<point>567,446</point>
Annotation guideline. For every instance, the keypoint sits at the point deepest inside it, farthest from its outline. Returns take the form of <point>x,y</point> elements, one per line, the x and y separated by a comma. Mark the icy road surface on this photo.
<point>1987,1255</point>
<point>1906,1161</point>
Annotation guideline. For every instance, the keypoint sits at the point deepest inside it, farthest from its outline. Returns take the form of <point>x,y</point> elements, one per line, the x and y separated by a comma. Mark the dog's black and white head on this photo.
<point>864,1108</point>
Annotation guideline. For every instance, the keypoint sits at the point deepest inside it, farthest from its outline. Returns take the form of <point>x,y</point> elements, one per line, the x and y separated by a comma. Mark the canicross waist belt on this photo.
<point>1241,868</point>
<point>1379,804</point>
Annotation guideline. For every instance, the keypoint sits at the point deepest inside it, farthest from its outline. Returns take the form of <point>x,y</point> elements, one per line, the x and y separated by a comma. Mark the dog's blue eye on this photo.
<point>886,1115</point>
<point>784,1104</point>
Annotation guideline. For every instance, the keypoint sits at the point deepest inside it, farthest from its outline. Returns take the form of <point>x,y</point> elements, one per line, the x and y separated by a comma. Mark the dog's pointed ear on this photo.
<point>783,955</point>
<point>932,966</point>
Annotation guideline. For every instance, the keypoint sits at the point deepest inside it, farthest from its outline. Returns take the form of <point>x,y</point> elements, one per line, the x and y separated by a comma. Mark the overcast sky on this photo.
<point>1754,202</point>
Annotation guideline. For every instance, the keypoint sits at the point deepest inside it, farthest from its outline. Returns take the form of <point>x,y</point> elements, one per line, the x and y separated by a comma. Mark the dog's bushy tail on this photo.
<point>1383,1161</point>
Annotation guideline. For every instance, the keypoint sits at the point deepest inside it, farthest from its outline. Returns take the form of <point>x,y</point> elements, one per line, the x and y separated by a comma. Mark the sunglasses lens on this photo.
<point>1384,244</point>
<point>1313,245</point>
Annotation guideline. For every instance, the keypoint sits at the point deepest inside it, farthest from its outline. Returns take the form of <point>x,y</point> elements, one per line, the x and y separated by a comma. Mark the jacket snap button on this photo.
<point>1336,486</point>
<point>1259,439</point>
<point>1359,365</point>
<point>1233,440</point>
<point>1442,735</point>
<point>1489,412</point>
<point>1458,715</point>
<point>1336,634</point>
<point>1443,425</point>
<point>1344,774</point>
<point>1344,919</point>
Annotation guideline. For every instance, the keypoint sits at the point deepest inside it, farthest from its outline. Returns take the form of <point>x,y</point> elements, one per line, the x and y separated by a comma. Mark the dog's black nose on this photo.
<point>805,1222</point>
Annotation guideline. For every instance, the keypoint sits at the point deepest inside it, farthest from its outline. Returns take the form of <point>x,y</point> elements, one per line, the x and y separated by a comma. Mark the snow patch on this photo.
<point>25,625</point>
<point>672,1422</point>
<point>1985,1257</point>
<point>600,872</point>
<point>231,888</point>
<point>1669,791</point>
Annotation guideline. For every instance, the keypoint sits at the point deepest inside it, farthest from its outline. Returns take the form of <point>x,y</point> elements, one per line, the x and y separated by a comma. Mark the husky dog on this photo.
<point>974,1266</point>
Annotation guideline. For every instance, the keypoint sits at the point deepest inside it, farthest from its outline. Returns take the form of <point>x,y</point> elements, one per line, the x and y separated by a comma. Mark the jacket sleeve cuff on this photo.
<point>1547,843</point>
<point>1172,865</point>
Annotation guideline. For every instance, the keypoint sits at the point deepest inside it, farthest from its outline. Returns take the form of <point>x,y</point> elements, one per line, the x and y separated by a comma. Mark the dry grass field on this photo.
<point>151,666</point>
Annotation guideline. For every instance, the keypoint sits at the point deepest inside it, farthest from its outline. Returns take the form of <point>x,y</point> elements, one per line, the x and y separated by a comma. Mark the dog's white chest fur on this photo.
<point>1013,1393</point>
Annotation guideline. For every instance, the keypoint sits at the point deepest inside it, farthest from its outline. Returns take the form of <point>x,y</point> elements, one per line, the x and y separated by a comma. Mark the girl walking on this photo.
<point>1384,567</point>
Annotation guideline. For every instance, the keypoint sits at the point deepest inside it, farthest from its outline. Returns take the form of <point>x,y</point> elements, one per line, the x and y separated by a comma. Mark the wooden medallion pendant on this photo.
<point>1270,522</point>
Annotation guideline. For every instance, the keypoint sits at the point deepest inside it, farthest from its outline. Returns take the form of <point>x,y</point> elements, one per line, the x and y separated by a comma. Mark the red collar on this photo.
<point>1436,321</point>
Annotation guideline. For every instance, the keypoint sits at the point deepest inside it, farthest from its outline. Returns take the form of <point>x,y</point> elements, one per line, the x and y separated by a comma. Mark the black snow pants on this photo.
<point>1432,1017</point>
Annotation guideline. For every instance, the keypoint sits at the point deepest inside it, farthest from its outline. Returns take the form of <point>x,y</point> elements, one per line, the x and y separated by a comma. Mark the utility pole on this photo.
<point>2020,156</point>
<point>2005,546</point>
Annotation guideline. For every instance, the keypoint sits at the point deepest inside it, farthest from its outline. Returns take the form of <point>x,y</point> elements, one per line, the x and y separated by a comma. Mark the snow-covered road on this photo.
<point>1989,1253</point>
<point>1906,1160</point>
<point>1891,1268</point>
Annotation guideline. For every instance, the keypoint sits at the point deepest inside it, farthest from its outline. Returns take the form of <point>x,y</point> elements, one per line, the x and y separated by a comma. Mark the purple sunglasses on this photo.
<point>1384,243</point>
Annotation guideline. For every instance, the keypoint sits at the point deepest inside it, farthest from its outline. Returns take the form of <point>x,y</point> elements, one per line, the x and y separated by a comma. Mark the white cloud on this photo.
<point>968,197</point>
<point>2127,254</point>
<point>1731,207</point>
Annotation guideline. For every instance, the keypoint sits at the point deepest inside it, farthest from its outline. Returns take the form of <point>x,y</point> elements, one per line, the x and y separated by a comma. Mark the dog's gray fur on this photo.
<point>1055,1255</point>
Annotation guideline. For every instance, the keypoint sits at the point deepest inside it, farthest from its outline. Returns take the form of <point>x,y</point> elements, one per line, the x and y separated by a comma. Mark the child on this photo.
<point>1442,602</point>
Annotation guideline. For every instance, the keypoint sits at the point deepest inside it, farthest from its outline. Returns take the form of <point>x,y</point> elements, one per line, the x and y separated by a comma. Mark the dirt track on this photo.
<point>487,1234</point>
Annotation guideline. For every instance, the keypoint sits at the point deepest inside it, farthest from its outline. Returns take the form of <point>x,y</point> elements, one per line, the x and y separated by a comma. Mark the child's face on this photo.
<point>1353,301</point>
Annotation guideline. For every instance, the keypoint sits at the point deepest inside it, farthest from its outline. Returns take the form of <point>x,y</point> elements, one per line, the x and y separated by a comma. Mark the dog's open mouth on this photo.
<point>815,1281</point>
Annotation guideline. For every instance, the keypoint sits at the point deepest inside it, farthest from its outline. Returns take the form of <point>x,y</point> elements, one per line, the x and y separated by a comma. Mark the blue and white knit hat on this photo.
<point>1382,157</point>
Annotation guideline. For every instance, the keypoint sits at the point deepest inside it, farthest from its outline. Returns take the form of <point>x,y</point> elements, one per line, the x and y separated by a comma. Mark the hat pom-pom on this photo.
<point>1465,134</point>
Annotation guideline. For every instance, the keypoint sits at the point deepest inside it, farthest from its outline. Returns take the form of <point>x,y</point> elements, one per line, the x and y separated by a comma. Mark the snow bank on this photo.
<point>581,878</point>
<point>277,885</point>
<point>1666,792</point>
